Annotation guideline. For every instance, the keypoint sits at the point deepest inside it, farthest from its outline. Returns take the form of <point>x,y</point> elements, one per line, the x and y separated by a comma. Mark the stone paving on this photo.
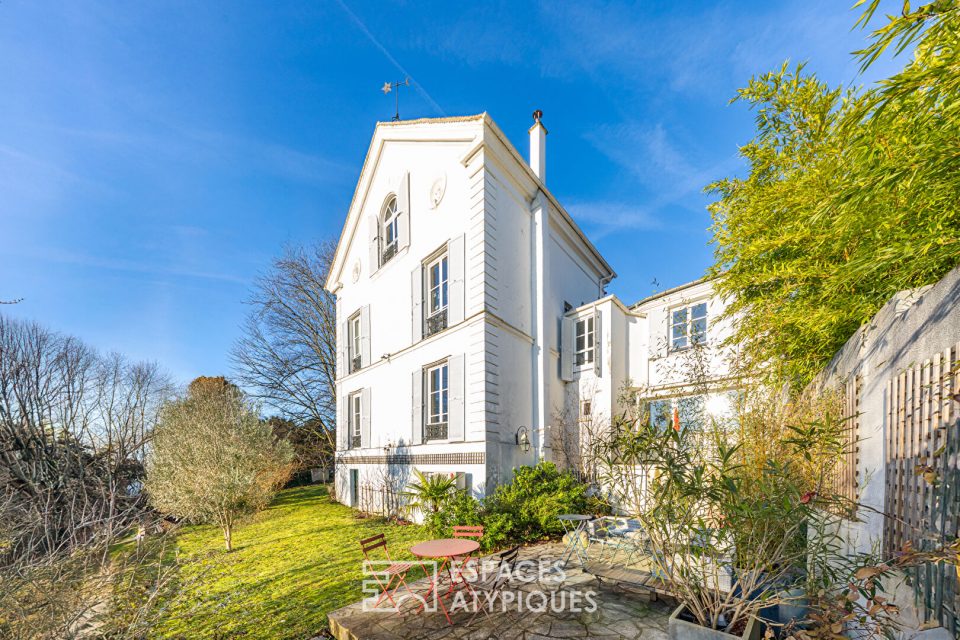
<point>620,614</point>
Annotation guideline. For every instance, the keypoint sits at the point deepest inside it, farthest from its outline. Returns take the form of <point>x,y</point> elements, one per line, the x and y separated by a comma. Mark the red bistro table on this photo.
<point>444,549</point>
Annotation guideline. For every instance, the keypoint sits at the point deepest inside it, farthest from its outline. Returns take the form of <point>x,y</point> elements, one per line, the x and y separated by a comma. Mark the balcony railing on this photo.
<point>388,252</point>
<point>354,442</point>
<point>435,431</point>
<point>435,323</point>
<point>355,364</point>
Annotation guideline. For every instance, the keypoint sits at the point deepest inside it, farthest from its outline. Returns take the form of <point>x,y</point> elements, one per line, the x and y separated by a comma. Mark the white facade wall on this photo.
<point>521,257</point>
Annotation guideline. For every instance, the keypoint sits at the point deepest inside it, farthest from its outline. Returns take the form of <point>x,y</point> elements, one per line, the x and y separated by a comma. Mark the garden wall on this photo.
<point>905,367</point>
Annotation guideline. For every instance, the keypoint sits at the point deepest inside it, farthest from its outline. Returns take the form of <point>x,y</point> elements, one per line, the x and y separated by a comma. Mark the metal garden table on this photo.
<point>573,527</point>
<point>444,549</point>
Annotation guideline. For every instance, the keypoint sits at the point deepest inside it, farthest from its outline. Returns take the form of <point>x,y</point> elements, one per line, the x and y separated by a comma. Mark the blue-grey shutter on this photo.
<point>455,280</point>
<point>416,301</point>
<point>373,226</point>
<point>416,399</point>
<point>365,336</point>
<point>403,212</point>
<point>455,404</point>
<point>598,350</point>
<point>342,423</point>
<point>343,337</point>
<point>567,345</point>
<point>365,417</point>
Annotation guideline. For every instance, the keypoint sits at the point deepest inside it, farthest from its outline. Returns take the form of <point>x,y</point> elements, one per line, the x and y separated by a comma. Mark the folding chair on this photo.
<point>491,587</point>
<point>393,570</point>
<point>466,531</point>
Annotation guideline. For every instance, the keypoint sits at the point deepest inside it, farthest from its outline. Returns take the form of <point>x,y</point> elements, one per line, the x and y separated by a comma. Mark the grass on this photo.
<point>297,561</point>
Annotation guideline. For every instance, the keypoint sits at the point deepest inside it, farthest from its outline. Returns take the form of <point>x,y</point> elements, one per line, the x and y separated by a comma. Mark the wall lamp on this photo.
<point>523,439</point>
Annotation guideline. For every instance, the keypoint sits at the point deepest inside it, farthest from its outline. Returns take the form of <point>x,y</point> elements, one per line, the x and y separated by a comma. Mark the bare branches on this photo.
<point>288,354</point>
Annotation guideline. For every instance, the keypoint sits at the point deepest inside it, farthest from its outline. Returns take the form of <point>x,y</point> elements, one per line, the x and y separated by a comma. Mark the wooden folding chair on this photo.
<point>393,570</point>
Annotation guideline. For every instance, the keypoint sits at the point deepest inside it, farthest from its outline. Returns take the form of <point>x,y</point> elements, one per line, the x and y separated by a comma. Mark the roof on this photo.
<point>672,290</point>
<point>349,223</point>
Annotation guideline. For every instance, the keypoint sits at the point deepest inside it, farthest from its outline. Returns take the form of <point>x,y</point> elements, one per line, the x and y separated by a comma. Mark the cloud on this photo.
<point>603,218</point>
<point>128,266</point>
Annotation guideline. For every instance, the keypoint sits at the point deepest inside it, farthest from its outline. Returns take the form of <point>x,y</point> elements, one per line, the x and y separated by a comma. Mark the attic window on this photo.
<point>389,231</point>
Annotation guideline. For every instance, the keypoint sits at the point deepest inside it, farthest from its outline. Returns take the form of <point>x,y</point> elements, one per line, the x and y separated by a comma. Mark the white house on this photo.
<point>472,315</point>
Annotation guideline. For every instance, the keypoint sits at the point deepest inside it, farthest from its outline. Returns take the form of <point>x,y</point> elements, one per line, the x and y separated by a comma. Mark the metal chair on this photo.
<point>393,570</point>
<point>474,532</point>
<point>491,587</point>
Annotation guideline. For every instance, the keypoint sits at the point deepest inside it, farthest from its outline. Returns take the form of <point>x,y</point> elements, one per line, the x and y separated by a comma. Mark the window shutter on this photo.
<point>567,325</point>
<point>403,212</point>
<point>416,297</point>
<point>417,406</point>
<point>455,417</point>
<point>365,336</point>
<point>342,339</point>
<point>597,343</point>
<point>341,423</point>
<point>365,417</point>
<point>374,235</point>
<point>455,281</point>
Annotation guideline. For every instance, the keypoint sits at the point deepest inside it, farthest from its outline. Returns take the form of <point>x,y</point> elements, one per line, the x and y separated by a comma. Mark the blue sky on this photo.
<point>155,156</point>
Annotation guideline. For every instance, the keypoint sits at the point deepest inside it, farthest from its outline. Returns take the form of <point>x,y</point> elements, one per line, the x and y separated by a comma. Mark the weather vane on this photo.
<point>390,86</point>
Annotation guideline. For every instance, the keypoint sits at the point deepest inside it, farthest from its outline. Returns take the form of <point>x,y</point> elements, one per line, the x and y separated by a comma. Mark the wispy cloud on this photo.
<point>604,218</point>
<point>61,256</point>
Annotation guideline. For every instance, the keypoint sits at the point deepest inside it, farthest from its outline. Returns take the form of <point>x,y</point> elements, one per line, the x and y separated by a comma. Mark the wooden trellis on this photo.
<point>922,501</point>
<point>846,475</point>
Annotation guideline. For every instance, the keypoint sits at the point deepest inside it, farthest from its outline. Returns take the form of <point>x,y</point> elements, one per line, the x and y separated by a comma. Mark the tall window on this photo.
<point>583,354</point>
<point>390,231</point>
<point>436,295</point>
<point>354,417</point>
<point>437,391</point>
<point>353,327</point>
<point>688,326</point>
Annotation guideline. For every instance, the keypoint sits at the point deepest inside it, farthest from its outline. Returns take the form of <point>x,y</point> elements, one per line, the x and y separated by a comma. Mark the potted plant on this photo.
<point>727,543</point>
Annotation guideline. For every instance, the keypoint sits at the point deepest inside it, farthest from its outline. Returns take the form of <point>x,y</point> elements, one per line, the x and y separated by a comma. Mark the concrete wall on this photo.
<point>909,329</point>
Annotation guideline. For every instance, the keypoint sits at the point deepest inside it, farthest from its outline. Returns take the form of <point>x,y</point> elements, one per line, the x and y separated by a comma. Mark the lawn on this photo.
<point>296,561</point>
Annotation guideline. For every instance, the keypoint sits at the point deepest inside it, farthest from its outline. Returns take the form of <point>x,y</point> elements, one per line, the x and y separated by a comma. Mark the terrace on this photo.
<point>622,611</point>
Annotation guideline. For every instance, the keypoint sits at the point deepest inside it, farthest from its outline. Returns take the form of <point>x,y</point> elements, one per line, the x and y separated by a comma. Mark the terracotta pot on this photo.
<point>680,629</point>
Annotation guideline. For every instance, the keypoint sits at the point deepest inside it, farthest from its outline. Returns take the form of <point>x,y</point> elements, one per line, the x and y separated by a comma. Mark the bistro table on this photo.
<point>573,527</point>
<point>445,549</point>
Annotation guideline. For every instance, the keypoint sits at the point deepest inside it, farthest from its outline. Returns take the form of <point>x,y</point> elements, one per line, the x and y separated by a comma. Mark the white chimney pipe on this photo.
<point>538,147</point>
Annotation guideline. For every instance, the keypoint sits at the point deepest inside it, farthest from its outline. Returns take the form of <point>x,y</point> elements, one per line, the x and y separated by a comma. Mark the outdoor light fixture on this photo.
<point>523,439</point>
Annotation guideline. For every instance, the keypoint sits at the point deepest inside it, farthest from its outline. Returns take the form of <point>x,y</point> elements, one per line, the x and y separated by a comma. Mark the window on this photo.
<point>390,231</point>
<point>685,412</point>
<point>583,354</point>
<point>436,295</point>
<point>353,328</point>
<point>688,326</point>
<point>586,408</point>
<point>437,388</point>
<point>353,417</point>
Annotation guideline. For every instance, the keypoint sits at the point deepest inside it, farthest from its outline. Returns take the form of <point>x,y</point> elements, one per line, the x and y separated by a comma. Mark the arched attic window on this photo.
<point>389,230</point>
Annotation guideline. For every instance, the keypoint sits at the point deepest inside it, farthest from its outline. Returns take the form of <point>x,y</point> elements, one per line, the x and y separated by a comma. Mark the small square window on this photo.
<point>688,326</point>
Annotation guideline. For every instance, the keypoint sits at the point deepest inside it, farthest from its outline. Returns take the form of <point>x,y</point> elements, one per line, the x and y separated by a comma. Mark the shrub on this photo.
<point>526,509</point>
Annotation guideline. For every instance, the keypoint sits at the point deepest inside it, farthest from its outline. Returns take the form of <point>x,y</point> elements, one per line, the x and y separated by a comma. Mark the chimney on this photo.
<point>538,147</point>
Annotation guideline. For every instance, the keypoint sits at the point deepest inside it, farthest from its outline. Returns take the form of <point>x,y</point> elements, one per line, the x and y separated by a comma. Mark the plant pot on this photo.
<point>680,629</point>
<point>793,607</point>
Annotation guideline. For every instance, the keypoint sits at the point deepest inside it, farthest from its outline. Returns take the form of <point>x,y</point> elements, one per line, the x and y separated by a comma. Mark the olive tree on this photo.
<point>214,460</point>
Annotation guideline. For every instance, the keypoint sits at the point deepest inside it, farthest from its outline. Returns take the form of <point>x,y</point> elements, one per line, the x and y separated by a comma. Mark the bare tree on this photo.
<point>73,427</point>
<point>287,357</point>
